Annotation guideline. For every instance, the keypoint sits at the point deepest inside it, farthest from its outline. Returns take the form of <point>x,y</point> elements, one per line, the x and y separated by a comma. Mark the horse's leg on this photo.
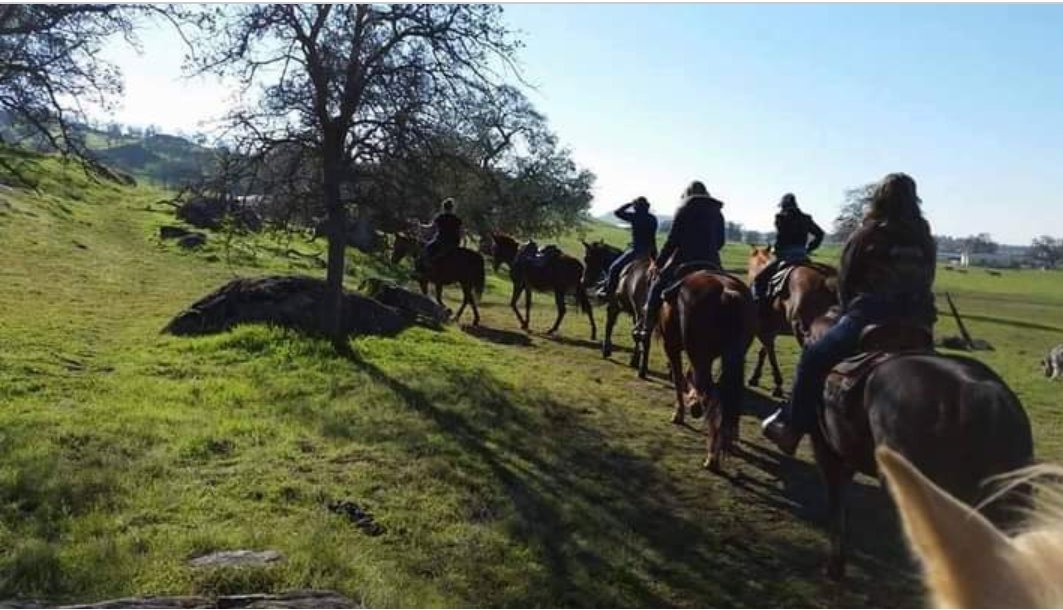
<point>611,312</point>
<point>776,374</point>
<point>836,476</point>
<point>439,295</point>
<point>513,304</point>
<point>675,366</point>
<point>465,290</point>
<point>424,285</point>
<point>475,307</point>
<point>754,379</point>
<point>642,348</point>
<point>585,304</point>
<point>559,301</point>
<point>527,307</point>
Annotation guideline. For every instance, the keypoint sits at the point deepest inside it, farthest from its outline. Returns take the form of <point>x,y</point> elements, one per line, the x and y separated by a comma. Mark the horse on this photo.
<point>460,266</point>
<point>630,296</point>
<point>951,416</point>
<point>967,561</point>
<point>561,274</point>
<point>811,290</point>
<point>598,256</point>
<point>503,250</point>
<point>709,315</point>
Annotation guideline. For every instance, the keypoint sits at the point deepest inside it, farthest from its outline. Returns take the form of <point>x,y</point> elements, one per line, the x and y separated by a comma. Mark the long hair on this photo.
<point>894,202</point>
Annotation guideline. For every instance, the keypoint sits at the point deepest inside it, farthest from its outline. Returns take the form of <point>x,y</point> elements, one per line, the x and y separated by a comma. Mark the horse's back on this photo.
<point>952,417</point>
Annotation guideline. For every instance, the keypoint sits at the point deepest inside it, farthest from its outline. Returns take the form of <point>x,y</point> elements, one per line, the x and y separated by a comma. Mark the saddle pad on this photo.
<point>779,284</point>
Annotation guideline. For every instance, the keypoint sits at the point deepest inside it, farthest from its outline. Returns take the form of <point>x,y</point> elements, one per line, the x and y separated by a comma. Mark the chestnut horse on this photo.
<point>811,291</point>
<point>461,266</point>
<point>562,275</point>
<point>711,315</point>
<point>950,416</point>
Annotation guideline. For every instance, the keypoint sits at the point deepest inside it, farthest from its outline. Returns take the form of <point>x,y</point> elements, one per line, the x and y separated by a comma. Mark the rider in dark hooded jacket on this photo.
<point>697,234</point>
<point>792,230</point>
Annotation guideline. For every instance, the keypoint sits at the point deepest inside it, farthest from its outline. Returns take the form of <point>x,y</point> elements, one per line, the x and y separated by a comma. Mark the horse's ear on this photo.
<point>755,248</point>
<point>966,561</point>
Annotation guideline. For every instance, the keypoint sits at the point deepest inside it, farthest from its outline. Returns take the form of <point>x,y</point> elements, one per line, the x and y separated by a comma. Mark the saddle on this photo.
<point>779,284</point>
<point>541,257</point>
<point>686,269</point>
<point>879,343</point>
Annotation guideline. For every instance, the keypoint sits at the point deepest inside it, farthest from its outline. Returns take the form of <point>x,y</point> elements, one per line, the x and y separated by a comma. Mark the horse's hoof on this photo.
<point>607,350</point>
<point>754,381</point>
<point>713,465</point>
<point>778,393</point>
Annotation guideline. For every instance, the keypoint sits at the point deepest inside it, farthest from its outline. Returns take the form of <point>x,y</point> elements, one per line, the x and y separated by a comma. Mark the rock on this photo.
<point>420,306</point>
<point>210,213</point>
<point>296,302</point>
<point>236,558</point>
<point>172,232</point>
<point>192,240</point>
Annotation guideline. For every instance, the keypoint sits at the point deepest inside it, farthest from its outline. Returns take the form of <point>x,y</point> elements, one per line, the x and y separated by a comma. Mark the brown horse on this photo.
<point>811,291</point>
<point>630,296</point>
<point>952,417</point>
<point>503,250</point>
<point>710,316</point>
<point>461,266</point>
<point>562,275</point>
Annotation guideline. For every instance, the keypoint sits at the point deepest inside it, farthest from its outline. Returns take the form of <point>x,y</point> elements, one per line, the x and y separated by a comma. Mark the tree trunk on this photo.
<point>337,240</point>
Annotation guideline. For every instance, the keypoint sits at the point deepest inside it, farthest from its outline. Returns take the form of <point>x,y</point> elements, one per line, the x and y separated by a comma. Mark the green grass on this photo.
<point>507,470</point>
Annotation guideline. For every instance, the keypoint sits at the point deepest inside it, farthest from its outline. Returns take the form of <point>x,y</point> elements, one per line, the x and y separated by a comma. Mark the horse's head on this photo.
<point>597,256</point>
<point>503,249</point>
<point>968,562</point>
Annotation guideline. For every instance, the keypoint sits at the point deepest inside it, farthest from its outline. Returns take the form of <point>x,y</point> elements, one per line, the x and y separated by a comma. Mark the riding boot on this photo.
<point>780,432</point>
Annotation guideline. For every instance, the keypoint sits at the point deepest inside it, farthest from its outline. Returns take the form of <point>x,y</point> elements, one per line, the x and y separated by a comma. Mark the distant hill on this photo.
<point>164,159</point>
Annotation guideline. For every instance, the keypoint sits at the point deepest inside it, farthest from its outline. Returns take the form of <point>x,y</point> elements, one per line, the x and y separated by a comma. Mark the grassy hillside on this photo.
<point>505,469</point>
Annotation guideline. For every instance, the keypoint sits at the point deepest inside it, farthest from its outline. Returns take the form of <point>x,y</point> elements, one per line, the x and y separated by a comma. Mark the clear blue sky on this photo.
<point>757,100</point>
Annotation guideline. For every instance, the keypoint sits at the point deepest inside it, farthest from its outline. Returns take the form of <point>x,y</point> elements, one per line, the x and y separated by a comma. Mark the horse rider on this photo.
<point>697,234</point>
<point>447,236</point>
<point>886,273</point>
<point>792,231</point>
<point>643,240</point>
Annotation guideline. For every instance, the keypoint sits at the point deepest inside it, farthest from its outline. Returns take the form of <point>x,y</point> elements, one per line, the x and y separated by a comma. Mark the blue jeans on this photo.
<point>817,360</point>
<point>618,265</point>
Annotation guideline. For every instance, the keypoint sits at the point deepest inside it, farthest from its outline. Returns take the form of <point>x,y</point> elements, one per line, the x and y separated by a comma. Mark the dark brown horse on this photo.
<point>952,417</point>
<point>630,297</point>
<point>561,275</point>
<point>811,291</point>
<point>503,250</point>
<point>461,266</point>
<point>710,316</point>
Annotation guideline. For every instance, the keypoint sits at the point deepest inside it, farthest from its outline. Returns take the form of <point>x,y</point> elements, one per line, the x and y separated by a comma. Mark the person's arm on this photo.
<point>817,235</point>
<point>624,212</point>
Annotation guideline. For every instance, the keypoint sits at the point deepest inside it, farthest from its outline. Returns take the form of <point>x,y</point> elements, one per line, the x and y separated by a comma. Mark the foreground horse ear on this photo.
<point>966,561</point>
<point>754,247</point>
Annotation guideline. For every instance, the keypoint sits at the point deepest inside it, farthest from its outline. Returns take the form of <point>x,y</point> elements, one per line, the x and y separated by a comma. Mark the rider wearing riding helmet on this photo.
<point>887,273</point>
<point>643,239</point>
<point>448,233</point>
<point>697,234</point>
<point>792,230</point>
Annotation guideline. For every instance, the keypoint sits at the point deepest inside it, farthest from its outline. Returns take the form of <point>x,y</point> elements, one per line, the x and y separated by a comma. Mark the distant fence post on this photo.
<point>959,322</point>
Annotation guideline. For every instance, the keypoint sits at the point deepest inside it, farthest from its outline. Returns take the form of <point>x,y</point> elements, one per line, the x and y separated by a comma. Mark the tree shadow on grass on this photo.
<point>608,526</point>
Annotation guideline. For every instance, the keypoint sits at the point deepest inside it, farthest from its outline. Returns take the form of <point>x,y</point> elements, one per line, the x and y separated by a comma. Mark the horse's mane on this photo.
<point>503,237</point>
